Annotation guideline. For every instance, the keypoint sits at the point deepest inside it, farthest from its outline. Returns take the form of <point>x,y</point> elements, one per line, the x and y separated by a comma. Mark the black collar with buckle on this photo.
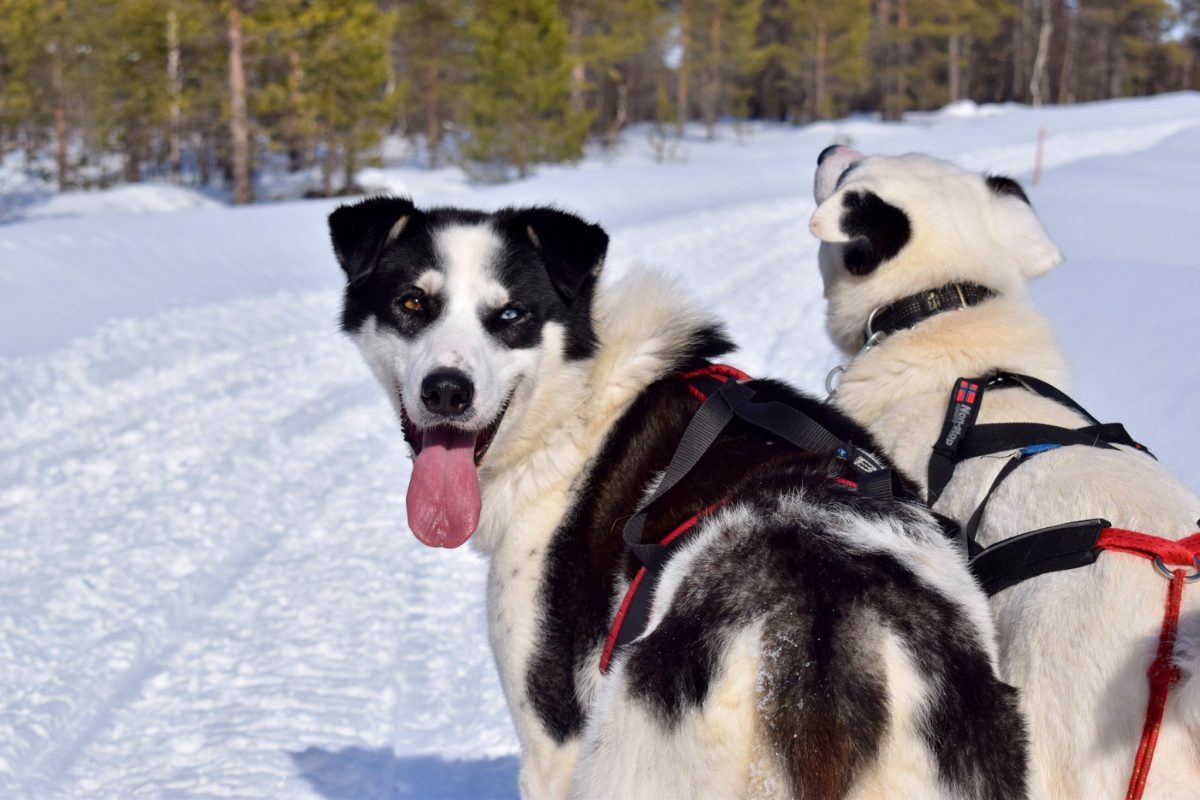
<point>908,311</point>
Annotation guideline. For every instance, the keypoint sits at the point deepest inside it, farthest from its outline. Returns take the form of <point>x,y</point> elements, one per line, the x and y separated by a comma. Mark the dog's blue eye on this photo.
<point>510,314</point>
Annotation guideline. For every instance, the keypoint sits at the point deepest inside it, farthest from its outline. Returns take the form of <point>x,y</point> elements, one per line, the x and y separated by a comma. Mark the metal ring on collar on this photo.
<point>869,330</point>
<point>830,385</point>
<point>1162,567</point>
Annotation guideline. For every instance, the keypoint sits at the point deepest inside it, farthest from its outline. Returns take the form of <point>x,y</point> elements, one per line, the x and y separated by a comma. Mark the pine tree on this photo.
<point>325,75</point>
<point>604,37</point>
<point>24,37</point>
<point>828,54</point>
<point>723,53</point>
<point>937,38</point>
<point>1189,13</point>
<point>239,126</point>
<point>518,101</point>
<point>432,51</point>
<point>125,56</point>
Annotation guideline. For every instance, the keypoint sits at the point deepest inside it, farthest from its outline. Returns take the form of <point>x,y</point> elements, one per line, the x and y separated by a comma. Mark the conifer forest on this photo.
<point>207,92</point>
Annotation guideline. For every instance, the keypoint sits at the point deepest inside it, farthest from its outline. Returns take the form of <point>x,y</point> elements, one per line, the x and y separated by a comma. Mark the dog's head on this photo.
<point>892,226</point>
<point>454,310</point>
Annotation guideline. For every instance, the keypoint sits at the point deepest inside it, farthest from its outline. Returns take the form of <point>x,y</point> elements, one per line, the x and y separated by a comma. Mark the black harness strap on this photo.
<point>962,438</point>
<point>997,437</point>
<point>1035,553</point>
<point>730,399</point>
<point>734,399</point>
<point>1028,555</point>
<point>960,420</point>
<point>702,430</point>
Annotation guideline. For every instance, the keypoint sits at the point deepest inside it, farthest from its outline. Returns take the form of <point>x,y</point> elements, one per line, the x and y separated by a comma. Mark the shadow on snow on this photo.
<point>356,773</point>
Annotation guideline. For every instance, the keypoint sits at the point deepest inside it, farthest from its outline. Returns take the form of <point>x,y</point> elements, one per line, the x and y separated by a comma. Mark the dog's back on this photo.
<point>805,641</point>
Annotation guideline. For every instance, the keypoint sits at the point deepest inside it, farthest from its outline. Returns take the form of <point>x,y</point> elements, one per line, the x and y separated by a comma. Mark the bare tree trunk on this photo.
<point>206,156</point>
<point>1116,83</point>
<point>134,153</point>
<point>621,116</point>
<point>522,154</point>
<point>954,65</point>
<point>965,49</point>
<point>821,104</point>
<point>296,143</point>
<point>712,94</point>
<point>174,89</point>
<point>29,143</point>
<point>904,57</point>
<point>58,90</point>
<point>578,69</point>
<point>681,97</point>
<point>1066,78</point>
<point>350,165</point>
<point>1038,83</point>
<point>1021,35</point>
<point>239,125</point>
<point>886,50</point>
<point>328,160</point>
<point>433,115</point>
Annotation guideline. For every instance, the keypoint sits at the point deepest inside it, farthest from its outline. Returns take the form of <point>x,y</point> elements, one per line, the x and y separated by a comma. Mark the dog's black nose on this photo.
<point>447,392</point>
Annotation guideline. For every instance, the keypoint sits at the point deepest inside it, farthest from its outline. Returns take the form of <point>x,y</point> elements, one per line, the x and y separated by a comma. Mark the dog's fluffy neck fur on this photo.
<point>1002,333</point>
<point>644,330</point>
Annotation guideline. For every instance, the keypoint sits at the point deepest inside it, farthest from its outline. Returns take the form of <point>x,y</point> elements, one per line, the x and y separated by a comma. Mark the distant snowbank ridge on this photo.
<point>1074,132</point>
<point>136,198</point>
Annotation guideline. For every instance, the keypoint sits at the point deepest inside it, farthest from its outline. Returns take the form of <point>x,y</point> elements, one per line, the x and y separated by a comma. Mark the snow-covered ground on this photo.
<point>206,585</point>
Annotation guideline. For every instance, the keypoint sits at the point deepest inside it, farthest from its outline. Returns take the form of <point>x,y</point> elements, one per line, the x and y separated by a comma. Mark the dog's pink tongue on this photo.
<point>443,493</point>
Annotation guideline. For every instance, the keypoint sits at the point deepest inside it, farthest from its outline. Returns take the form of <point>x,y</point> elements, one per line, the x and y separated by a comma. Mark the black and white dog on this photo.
<point>804,641</point>
<point>1077,643</point>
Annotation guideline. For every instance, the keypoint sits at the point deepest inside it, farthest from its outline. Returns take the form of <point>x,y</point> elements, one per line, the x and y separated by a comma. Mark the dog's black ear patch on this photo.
<point>1006,187</point>
<point>572,248</point>
<point>360,231</point>
<point>878,231</point>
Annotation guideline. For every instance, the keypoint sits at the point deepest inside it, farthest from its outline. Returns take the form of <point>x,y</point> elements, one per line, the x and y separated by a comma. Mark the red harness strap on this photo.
<point>615,628</point>
<point>719,372</point>
<point>1163,672</point>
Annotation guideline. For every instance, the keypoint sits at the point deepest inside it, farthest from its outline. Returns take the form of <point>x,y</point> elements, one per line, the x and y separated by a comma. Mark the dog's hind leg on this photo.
<point>904,765</point>
<point>546,771</point>
<point>714,751</point>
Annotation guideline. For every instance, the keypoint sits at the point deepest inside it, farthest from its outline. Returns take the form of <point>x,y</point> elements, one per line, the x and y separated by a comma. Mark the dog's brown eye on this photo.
<point>411,303</point>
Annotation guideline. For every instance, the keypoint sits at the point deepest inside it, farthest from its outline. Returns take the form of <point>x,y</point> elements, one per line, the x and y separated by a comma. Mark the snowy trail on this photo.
<point>249,472</point>
<point>206,585</point>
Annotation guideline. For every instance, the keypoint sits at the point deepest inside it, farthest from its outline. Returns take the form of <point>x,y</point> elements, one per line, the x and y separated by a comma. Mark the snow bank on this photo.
<point>140,198</point>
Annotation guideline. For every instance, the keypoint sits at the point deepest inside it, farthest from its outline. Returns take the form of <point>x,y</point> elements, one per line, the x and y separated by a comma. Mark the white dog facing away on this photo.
<point>909,238</point>
<point>803,636</point>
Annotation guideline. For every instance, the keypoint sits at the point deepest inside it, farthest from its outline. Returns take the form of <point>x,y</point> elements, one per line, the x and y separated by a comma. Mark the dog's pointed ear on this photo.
<point>361,231</point>
<point>572,248</point>
<point>832,163</point>
<point>871,229</point>
<point>1019,229</point>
